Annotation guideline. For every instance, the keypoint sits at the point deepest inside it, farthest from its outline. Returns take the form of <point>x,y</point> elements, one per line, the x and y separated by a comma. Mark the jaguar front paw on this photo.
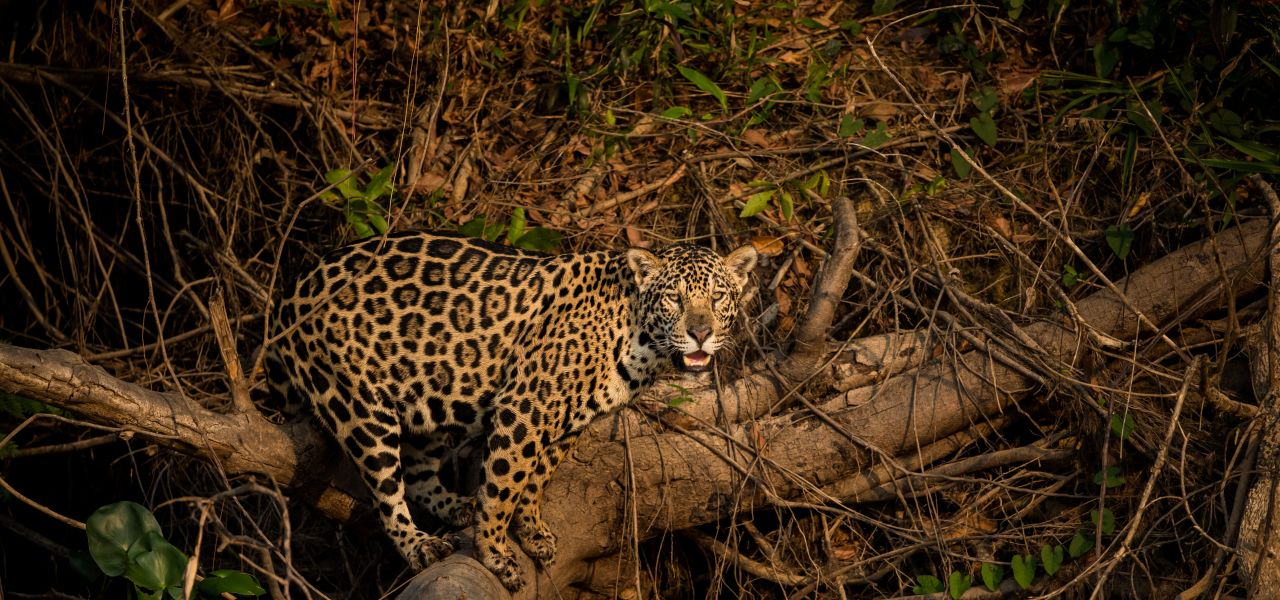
<point>421,549</point>
<point>502,563</point>
<point>538,542</point>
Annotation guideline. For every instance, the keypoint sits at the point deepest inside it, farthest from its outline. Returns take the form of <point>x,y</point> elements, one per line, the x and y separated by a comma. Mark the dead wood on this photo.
<point>1259,542</point>
<point>684,479</point>
<point>681,479</point>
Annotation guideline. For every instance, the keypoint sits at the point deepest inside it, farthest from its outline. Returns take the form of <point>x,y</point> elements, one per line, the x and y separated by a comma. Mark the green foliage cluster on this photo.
<point>361,204</point>
<point>125,540</point>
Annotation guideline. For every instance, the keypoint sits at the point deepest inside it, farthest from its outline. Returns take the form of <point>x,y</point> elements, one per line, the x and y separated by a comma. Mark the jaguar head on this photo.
<point>688,299</point>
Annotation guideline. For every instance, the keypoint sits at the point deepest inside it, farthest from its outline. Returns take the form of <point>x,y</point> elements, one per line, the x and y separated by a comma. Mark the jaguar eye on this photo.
<point>672,298</point>
<point>718,297</point>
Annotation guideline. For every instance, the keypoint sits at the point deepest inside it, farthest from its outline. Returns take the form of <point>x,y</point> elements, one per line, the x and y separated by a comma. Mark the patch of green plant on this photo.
<point>1051,557</point>
<point>516,230</point>
<point>125,540</point>
<point>684,397</point>
<point>958,583</point>
<point>1119,239</point>
<point>1024,569</point>
<point>1109,477</point>
<point>1106,520</point>
<point>1122,425</point>
<point>927,584</point>
<point>360,202</point>
<point>1080,544</point>
<point>20,407</point>
<point>958,162</point>
<point>984,124</point>
<point>992,575</point>
<point>1070,276</point>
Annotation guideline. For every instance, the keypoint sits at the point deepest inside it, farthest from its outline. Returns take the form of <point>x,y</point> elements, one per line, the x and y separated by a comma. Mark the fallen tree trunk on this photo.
<point>683,479</point>
<point>687,479</point>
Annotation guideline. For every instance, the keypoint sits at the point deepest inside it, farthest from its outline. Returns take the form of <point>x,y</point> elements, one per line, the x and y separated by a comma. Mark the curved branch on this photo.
<point>811,336</point>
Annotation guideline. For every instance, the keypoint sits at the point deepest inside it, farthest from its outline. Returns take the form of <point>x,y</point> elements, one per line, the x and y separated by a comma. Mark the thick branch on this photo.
<point>239,443</point>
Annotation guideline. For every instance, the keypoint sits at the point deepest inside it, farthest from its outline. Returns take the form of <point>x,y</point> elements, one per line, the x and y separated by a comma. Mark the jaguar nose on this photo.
<point>700,333</point>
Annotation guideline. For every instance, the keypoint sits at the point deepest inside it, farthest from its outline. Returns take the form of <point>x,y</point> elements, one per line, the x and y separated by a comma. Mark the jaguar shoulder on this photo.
<point>407,345</point>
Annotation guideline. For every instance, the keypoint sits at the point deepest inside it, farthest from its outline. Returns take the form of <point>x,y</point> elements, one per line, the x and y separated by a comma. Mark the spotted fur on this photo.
<point>405,346</point>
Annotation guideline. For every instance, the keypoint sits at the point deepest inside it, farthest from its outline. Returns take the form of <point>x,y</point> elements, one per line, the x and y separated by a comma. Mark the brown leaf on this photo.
<point>756,138</point>
<point>767,245</point>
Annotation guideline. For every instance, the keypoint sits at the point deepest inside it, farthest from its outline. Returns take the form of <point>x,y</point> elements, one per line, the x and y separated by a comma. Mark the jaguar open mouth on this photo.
<point>695,361</point>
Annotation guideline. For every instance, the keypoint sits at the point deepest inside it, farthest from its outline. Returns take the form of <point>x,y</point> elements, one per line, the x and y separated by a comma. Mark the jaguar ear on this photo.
<point>644,265</point>
<point>740,263</point>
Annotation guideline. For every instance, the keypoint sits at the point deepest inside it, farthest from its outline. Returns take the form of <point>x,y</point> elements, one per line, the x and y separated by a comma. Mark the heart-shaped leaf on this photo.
<point>112,529</point>
<point>992,575</point>
<point>1052,558</point>
<point>1024,570</point>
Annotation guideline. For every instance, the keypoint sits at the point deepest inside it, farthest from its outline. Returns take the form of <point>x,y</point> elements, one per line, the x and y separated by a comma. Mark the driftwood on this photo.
<point>629,474</point>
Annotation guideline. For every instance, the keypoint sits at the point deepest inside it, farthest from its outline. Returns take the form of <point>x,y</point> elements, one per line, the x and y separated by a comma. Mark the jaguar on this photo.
<point>407,345</point>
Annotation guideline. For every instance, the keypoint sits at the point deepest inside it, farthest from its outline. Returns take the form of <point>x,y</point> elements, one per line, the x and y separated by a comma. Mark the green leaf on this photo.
<point>1070,277</point>
<point>875,138</point>
<point>992,575</point>
<point>683,397</point>
<point>985,127</point>
<point>345,181</point>
<point>1105,58</point>
<point>1108,522</point>
<point>1135,110</point>
<point>853,28</point>
<point>112,529</point>
<point>958,584</point>
<point>986,99</point>
<point>572,82</point>
<point>1080,544</point>
<point>704,84</point>
<point>1052,558</point>
<point>473,228</point>
<point>1024,570</point>
<point>961,166</point>
<point>787,205</point>
<point>1255,150</point>
<point>230,582</point>
<point>155,564</point>
<point>540,239</point>
<point>379,183</point>
<point>1226,123</point>
<point>1120,239</point>
<point>515,228</point>
<point>492,231</point>
<point>760,89</point>
<point>1142,39</point>
<point>927,584</point>
<point>756,203</point>
<point>880,8</point>
<point>850,126</point>
<point>379,223</point>
<point>1241,166</point>
<point>1122,426</point>
<point>1111,477</point>
<point>676,112</point>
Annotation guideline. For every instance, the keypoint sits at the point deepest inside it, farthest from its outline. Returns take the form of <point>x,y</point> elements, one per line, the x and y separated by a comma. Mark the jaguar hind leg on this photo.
<point>374,444</point>
<point>423,453</point>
